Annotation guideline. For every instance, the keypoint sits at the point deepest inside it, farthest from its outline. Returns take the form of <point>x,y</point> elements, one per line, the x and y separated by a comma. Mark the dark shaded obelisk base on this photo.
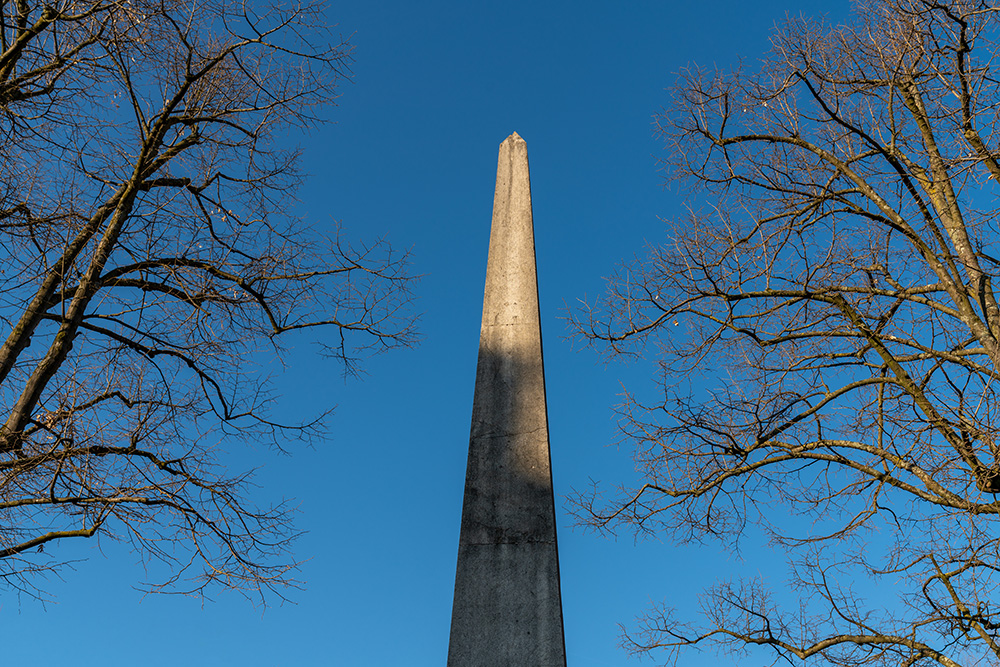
<point>508,609</point>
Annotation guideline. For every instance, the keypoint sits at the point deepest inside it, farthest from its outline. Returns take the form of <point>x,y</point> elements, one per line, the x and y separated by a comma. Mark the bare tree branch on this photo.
<point>149,257</point>
<point>836,284</point>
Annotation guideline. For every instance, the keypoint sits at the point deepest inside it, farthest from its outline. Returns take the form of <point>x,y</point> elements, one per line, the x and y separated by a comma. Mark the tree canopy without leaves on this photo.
<point>833,285</point>
<point>148,255</point>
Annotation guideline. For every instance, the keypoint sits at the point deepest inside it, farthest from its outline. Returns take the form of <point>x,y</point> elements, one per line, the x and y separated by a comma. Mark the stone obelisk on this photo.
<point>508,609</point>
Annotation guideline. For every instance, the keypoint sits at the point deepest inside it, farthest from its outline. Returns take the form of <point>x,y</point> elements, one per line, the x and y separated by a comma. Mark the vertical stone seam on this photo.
<point>548,431</point>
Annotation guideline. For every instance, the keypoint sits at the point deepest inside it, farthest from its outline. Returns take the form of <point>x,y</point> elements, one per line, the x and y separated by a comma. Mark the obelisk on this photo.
<point>508,610</point>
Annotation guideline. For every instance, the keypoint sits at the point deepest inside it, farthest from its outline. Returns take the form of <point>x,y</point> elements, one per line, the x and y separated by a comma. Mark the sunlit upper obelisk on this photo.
<point>508,610</point>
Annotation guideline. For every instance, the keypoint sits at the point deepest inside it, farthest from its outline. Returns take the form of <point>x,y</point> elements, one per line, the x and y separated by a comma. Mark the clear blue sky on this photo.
<point>412,154</point>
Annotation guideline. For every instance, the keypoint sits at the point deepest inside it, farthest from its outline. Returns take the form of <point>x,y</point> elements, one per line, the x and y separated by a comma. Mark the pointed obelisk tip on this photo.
<point>515,137</point>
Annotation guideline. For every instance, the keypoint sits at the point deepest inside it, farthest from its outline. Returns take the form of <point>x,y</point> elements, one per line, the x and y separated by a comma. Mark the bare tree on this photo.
<point>149,255</point>
<point>834,286</point>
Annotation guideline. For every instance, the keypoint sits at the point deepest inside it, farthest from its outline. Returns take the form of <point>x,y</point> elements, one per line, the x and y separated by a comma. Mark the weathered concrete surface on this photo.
<point>508,609</point>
